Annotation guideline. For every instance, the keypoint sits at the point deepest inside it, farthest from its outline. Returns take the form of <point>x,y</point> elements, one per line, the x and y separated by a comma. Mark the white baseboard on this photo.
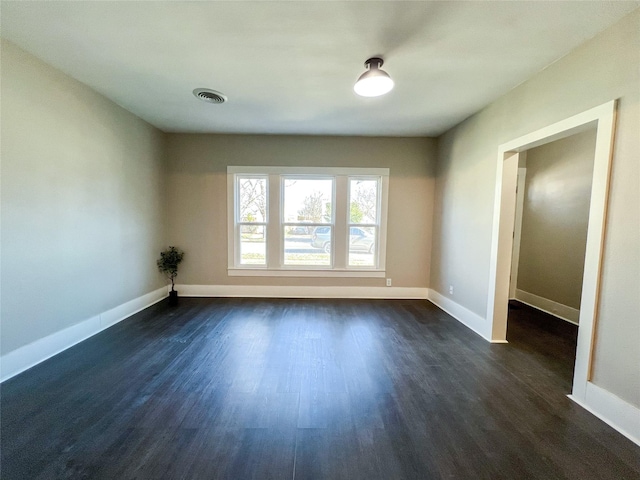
<point>25,357</point>
<point>465,316</point>
<point>279,291</point>
<point>612,410</point>
<point>556,309</point>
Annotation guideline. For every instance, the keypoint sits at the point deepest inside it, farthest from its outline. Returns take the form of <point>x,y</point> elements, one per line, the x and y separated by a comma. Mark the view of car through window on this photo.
<point>359,239</point>
<point>361,243</point>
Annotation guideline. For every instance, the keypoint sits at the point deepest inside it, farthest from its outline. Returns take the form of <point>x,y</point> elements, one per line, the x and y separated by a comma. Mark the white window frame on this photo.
<point>275,225</point>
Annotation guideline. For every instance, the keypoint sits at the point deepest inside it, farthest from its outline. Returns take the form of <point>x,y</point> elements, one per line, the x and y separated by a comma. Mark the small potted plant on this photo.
<point>168,265</point>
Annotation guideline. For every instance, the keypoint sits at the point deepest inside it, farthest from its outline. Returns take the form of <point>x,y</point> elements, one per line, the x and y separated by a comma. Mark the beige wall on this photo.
<point>604,68</point>
<point>82,203</point>
<point>555,216</point>
<point>197,196</point>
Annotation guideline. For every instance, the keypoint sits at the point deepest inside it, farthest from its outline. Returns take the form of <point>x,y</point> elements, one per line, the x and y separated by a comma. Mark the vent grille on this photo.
<point>210,96</point>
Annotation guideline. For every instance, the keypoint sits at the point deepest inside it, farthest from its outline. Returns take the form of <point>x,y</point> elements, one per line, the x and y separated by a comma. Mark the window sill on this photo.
<point>297,272</point>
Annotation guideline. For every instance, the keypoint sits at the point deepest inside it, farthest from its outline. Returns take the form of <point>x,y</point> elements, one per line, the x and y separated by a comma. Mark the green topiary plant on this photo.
<point>169,261</point>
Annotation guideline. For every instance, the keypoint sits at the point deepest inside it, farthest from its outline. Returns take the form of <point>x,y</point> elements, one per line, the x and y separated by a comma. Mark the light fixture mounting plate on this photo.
<point>374,60</point>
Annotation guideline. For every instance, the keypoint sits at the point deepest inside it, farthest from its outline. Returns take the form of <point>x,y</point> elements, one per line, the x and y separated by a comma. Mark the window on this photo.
<point>288,221</point>
<point>251,221</point>
<point>364,197</point>
<point>308,209</point>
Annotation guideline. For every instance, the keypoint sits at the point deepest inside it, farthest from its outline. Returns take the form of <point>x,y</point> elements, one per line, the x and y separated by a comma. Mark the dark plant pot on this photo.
<point>173,297</point>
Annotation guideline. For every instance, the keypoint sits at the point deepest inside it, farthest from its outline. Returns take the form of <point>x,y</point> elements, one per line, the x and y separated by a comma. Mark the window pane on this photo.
<point>303,248</point>
<point>362,247</point>
<point>253,199</point>
<point>252,245</point>
<point>363,195</point>
<point>308,200</point>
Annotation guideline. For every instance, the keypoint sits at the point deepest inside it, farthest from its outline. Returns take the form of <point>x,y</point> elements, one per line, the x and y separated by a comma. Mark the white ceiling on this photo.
<point>289,67</point>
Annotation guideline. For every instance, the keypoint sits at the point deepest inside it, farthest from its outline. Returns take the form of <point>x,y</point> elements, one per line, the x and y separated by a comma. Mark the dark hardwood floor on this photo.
<point>306,389</point>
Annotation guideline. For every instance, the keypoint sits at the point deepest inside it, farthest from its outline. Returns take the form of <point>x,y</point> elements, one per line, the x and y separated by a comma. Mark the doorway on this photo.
<point>549,245</point>
<point>603,119</point>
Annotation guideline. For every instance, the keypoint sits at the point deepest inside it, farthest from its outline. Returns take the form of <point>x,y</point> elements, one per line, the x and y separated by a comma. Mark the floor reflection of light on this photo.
<point>249,340</point>
<point>319,373</point>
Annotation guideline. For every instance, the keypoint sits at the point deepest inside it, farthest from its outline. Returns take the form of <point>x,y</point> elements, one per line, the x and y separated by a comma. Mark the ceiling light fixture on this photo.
<point>374,82</point>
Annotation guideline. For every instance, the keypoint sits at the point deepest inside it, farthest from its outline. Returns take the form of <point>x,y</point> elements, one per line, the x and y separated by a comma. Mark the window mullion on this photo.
<point>339,249</point>
<point>274,232</point>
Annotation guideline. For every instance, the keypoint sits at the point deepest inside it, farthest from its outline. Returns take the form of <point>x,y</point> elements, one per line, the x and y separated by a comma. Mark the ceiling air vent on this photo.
<point>208,95</point>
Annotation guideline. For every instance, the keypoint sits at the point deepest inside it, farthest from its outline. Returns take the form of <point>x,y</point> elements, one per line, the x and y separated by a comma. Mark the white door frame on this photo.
<point>517,230</point>
<point>603,118</point>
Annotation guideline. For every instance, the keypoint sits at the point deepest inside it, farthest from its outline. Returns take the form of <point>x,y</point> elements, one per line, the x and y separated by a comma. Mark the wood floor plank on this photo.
<point>308,389</point>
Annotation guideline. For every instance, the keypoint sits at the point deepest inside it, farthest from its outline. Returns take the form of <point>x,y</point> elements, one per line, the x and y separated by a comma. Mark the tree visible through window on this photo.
<point>252,221</point>
<point>307,207</point>
<point>363,221</point>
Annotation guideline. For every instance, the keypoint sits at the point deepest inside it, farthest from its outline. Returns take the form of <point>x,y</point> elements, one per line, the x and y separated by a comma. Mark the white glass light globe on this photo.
<point>373,83</point>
